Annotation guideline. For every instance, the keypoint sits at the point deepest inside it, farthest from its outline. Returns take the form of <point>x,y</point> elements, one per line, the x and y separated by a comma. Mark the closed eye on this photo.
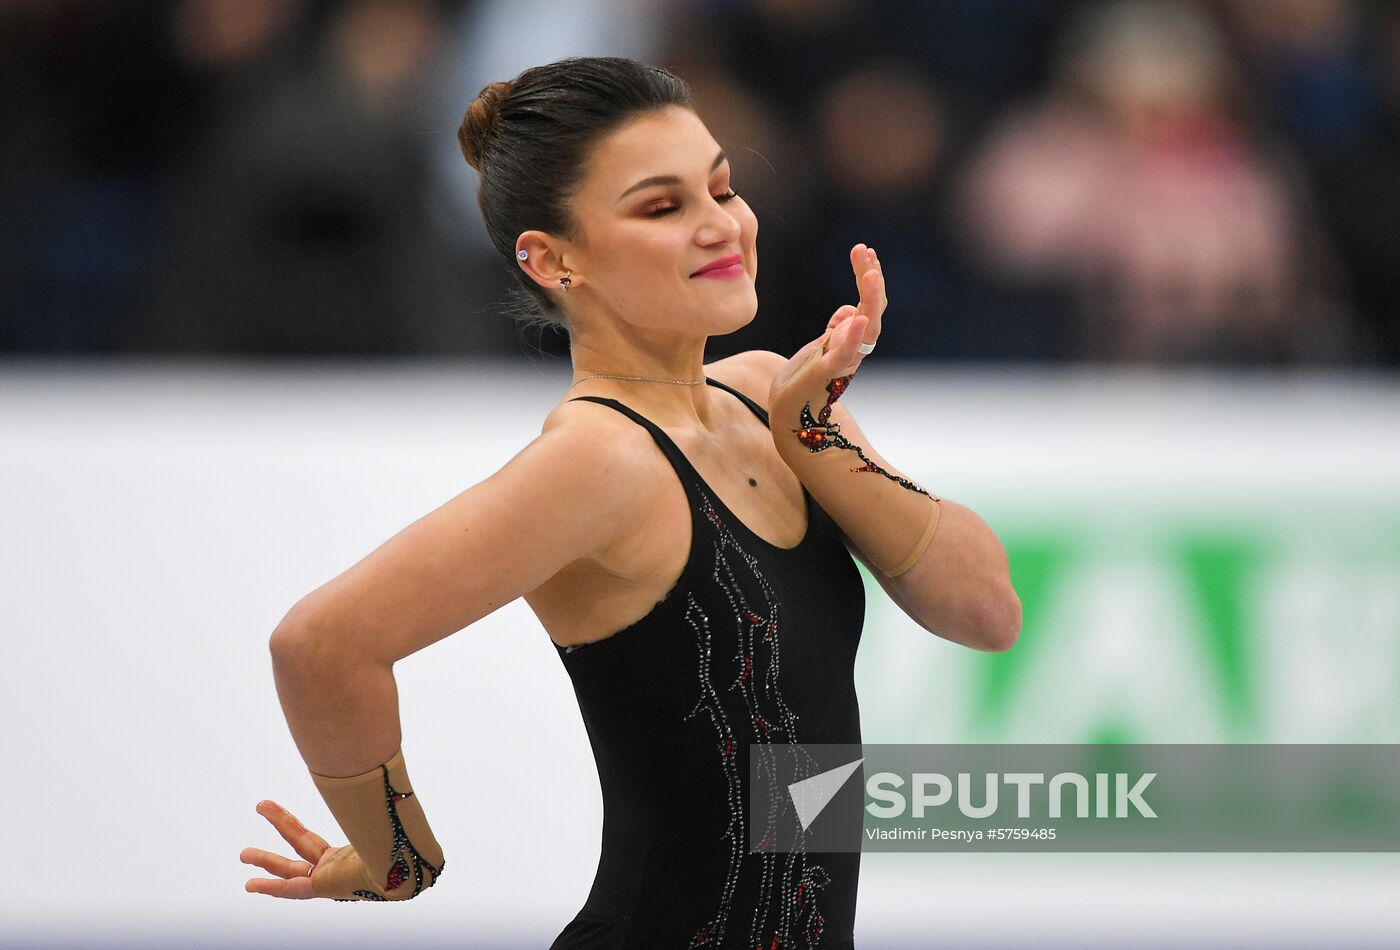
<point>659,212</point>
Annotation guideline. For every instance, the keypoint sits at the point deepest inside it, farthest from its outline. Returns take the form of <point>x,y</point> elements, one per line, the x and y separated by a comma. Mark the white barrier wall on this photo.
<point>1202,558</point>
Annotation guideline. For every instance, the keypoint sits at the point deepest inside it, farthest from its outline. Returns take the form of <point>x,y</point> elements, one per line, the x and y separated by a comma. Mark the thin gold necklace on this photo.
<point>640,379</point>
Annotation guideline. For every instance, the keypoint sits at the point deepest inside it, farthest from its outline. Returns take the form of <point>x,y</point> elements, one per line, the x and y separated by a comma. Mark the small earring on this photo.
<point>522,254</point>
<point>565,281</point>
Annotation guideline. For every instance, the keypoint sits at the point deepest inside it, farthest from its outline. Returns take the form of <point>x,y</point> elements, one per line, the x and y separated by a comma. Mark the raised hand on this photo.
<point>848,327</point>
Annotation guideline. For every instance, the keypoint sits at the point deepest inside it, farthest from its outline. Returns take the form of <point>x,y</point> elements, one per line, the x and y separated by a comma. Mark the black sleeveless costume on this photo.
<point>753,644</point>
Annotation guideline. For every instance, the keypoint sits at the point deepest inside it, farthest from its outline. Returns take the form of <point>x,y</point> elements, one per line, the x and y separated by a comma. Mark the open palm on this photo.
<point>848,327</point>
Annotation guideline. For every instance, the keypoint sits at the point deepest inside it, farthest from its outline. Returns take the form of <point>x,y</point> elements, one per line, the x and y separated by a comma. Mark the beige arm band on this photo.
<point>934,511</point>
<point>380,814</point>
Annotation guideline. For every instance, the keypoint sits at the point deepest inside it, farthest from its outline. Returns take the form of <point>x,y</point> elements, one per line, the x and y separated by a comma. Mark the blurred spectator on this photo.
<point>1331,71</point>
<point>226,40</point>
<point>84,144</point>
<point>980,55</point>
<point>304,218</point>
<point>1311,59</point>
<point>786,50</point>
<point>1133,181</point>
<point>889,196</point>
<point>1189,180</point>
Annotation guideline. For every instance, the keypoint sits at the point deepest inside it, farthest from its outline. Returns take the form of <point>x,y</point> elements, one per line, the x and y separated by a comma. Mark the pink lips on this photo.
<point>725,268</point>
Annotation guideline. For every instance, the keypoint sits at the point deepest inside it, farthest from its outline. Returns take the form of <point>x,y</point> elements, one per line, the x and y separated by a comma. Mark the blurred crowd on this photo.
<point>1114,181</point>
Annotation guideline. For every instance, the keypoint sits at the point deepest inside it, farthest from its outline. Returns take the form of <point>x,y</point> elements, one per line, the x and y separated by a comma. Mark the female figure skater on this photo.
<point>694,619</point>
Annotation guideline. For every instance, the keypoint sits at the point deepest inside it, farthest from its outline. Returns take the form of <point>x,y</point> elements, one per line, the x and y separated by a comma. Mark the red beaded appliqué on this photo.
<point>821,433</point>
<point>786,914</point>
<point>400,869</point>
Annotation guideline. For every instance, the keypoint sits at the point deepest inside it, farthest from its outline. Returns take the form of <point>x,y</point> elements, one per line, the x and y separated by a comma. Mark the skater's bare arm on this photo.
<point>567,495</point>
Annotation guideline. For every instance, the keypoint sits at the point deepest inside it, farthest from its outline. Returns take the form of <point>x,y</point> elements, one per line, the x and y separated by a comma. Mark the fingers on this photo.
<point>293,879</point>
<point>843,313</point>
<point>850,325</point>
<point>860,264</point>
<point>307,843</point>
<point>842,355</point>
<point>867,279</point>
<point>282,867</point>
<point>860,324</point>
<point>293,876</point>
<point>870,281</point>
<point>298,888</point>
<point>881,301</point>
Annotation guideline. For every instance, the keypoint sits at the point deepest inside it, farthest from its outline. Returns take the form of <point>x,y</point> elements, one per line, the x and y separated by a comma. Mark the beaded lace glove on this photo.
<point>892,519</point>
<point>393,854</point>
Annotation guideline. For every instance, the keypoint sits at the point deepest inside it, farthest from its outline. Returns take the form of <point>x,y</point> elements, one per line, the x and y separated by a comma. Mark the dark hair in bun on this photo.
<point>479,124</point>
<point>530,139</point>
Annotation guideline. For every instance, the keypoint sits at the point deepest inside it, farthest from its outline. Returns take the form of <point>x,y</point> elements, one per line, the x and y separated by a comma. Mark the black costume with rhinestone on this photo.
<point>753,644</point>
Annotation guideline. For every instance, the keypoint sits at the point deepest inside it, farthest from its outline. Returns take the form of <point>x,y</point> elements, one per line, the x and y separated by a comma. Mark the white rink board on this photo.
<point>161,517</point>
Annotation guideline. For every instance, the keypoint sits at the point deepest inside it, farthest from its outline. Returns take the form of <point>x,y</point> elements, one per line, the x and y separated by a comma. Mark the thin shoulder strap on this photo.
<point>679,462</point>
<point>757,409</point>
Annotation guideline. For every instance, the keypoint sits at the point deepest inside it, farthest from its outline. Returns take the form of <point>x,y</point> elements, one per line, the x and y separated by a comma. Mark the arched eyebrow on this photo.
<point>667,179</point>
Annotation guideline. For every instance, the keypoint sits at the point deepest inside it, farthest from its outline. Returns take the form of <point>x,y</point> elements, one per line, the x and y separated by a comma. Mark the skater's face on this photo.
<point>655,207</point>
